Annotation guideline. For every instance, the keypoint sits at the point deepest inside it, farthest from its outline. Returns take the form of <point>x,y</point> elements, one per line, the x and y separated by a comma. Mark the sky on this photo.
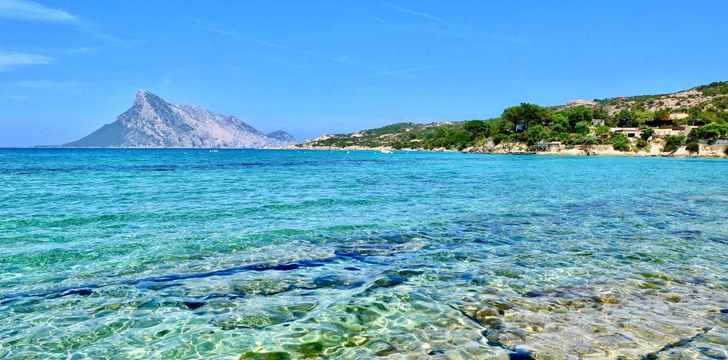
<point>314,67</point>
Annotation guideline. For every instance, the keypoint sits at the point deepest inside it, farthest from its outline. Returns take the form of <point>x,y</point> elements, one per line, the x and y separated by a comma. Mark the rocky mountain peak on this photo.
<point>142,96</point>
<point>155,122</point>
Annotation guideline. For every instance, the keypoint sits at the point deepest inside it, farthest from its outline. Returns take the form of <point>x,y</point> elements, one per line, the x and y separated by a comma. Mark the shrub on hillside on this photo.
<point>693,147</point>
<point>581,127</point>
<point>535,134</point>
<point>601,130</point>
<point>620,142</point>
<point>647,134</point>
<point>498,138</point>
<point>642,144</point>
<point>672,143</point>
<point>711,131</point>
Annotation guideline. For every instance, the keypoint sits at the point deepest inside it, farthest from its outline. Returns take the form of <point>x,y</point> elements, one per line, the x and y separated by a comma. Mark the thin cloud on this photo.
<point>78,50</point>
<point>413,12</point>
<point>29,10</point>
<point>14,96</point>
<point>451,29</point>
<point>286,65</point>
<point>9,60</point>
<point>239,70</point>
<point>374,69</point>
<point>41,84</point>
<point>399,73</point>
<point>27,89</point>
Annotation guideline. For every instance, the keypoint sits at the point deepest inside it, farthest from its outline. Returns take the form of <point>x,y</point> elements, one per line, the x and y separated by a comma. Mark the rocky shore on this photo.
<point>655,150</point>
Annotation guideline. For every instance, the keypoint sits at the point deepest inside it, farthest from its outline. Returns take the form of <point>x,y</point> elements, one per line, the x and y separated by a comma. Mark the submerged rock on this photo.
<point>275,355</point>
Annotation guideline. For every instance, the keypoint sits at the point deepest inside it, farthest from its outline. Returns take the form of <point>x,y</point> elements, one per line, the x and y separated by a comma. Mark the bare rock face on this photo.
<point>155,122</point>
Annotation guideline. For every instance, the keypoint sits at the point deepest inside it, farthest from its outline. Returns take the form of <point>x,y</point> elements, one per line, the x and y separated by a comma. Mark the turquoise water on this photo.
<point>291,254</point>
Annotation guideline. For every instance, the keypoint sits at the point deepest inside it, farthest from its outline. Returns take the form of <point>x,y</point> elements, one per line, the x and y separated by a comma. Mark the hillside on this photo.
<point>579,122</point>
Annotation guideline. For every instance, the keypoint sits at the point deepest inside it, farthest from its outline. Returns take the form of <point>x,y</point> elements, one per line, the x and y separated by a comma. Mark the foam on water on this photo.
<point>287,254</point>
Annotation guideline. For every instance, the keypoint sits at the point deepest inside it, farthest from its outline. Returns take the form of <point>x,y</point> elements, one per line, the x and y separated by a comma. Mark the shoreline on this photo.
<point>706,151</point>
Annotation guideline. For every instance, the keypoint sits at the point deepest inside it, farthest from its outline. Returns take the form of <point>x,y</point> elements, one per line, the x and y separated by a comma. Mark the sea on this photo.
<point>290,254</point>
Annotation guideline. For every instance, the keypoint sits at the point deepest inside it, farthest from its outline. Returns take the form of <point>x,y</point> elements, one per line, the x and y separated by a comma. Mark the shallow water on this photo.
<point>292,254</point>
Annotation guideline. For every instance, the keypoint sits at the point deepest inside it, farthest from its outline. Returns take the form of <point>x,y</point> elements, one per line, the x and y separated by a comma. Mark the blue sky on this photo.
<point>313,67</point>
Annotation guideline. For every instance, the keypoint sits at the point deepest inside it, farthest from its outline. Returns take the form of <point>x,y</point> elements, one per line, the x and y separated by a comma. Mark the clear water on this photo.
<point>293,254</point>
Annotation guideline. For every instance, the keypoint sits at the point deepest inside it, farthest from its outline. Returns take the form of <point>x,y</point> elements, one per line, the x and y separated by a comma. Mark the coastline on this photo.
<point>706,151</point>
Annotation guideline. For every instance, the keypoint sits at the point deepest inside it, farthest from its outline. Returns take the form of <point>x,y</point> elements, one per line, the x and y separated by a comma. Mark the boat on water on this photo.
<point>385,151</point>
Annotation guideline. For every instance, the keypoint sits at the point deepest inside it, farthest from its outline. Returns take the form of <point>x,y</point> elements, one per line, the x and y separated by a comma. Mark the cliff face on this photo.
<point>155,122</point>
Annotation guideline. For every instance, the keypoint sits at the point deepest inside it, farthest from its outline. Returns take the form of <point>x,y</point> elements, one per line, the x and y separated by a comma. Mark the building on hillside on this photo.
<point>629,132</point>
<point>673,131</point>
<point>554,146</point>
<point>598,122</point>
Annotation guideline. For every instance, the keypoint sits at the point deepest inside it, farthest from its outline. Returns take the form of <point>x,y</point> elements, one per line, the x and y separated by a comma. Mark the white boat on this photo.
<point>385,151</point>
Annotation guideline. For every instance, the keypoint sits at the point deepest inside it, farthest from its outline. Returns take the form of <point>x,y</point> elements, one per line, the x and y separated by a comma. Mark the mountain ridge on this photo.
<point>153,122</point>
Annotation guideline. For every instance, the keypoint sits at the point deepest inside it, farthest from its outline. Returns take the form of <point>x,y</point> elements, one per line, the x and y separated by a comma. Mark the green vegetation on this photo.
<point>587,124</point>
<point>672,143</point>
<point>627,118</point>
<point>582,127</point>
<point>715,88</point>
<point>693,147</point>
<point>647,134</point>
<point>620,142</point>
<point>712,131</point>
<point>642,144</point>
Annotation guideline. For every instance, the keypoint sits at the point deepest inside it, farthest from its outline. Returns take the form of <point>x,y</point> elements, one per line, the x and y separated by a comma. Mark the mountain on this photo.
<point>155,122</point>
<point>282,136</point>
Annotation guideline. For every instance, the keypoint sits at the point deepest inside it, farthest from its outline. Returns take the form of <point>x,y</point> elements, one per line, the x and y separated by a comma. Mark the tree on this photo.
<point>560,124</point>
<point>579,113</point>
<point>693,147</point>
<point>582,127</point>
<point>501,126</point>
<point>626,118</point>
<point>601,130</point>
<point>477,128</point>
<point>661,117</point>
<point>499,137</point>
<point>535,134</point>
<point>647,134</point>
<point>642,144</point>
<point>525,115</point>
<point>600,112</point>
<point>712,131</point>
<point>672,143</point>
<point>620,142</point>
